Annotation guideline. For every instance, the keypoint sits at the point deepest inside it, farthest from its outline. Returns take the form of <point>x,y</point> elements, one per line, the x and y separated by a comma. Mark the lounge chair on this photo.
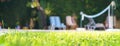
<point>71,23</point>
<point>92,25</point>
<point>99,26</point>
<point>56,23</point>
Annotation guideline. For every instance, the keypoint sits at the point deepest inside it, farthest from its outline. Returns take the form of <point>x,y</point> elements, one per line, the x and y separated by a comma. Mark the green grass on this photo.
<point>65,38</point>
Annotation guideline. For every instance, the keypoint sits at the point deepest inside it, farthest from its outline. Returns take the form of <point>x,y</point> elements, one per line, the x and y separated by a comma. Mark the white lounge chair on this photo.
<point>92,25</point>
<point>100,26</point>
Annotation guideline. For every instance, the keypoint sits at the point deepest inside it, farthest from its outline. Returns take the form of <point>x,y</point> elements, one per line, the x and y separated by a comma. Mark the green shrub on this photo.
<point>64,38</point>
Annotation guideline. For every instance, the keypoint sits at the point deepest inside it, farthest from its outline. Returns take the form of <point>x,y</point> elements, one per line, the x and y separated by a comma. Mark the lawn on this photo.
<point>61,38</point>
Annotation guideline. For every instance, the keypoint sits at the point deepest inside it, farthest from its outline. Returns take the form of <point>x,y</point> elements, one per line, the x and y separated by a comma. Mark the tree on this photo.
<point>12,11</point>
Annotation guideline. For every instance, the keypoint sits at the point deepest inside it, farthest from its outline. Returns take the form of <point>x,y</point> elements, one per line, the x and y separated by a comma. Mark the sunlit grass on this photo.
<point>65,38</point>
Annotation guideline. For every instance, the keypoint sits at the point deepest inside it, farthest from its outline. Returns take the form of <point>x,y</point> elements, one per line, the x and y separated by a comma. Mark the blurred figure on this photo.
<point>0,25</point>
<point>17,27</point>
<point>107,22</point>
<point>74,21</point>
<point>31,25</point>
<point>69,22</point>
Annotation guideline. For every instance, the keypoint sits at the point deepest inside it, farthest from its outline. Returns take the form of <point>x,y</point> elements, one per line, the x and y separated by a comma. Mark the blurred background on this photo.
<point>19,12</point>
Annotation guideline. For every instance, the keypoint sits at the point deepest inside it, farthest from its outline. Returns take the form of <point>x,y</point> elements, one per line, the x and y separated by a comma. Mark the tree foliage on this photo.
<point>13,11</point>
<point>63,8</point>
<point>17,10</point>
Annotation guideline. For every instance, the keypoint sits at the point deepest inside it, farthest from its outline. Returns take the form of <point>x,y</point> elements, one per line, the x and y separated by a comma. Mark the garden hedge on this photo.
<point>61,38</point>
